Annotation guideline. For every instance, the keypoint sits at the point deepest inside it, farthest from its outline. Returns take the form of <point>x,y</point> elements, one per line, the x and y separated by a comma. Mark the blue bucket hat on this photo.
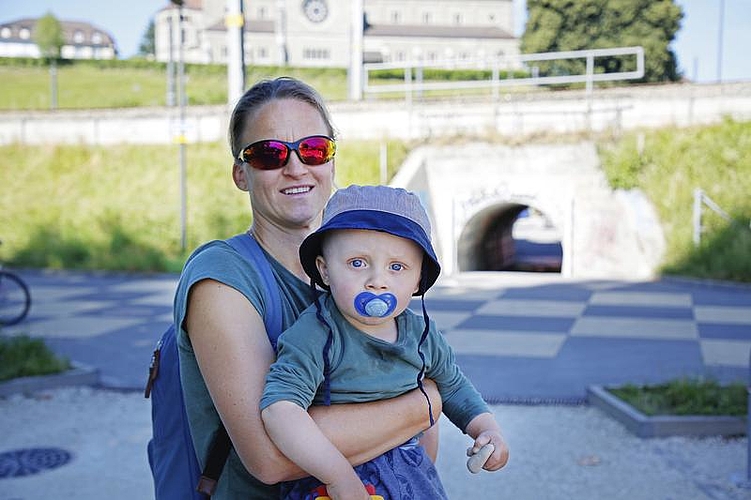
<point>378,208</point>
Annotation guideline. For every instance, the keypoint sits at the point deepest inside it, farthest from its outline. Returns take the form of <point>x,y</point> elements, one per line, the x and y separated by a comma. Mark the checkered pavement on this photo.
<point>519,337</point>
<point>551,339</point>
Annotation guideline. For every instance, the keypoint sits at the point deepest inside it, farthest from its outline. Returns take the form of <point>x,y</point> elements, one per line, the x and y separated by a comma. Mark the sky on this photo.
<point>697,43</point>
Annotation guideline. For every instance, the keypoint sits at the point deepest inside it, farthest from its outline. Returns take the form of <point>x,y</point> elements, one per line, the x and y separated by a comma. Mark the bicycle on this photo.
<point>15,298</point>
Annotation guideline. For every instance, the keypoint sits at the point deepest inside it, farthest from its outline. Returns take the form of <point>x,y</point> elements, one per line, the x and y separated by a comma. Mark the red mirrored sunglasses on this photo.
<point>271,154</point>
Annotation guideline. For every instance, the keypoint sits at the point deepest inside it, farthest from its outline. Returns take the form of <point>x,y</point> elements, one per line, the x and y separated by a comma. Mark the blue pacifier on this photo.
<point>377,306</point>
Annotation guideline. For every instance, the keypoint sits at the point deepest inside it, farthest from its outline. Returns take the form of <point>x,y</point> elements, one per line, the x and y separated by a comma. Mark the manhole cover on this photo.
<point>17,463</point>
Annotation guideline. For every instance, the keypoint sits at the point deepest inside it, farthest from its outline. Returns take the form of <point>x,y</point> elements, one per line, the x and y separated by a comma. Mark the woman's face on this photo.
<point>294,195</point>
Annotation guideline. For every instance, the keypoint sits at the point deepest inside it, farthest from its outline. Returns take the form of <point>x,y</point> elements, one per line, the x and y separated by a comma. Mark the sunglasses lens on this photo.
<point>316,150</point>
<point>266,155</point>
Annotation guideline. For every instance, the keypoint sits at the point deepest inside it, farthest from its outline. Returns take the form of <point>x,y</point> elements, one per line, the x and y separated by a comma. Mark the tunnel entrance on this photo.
<point>510,237</point>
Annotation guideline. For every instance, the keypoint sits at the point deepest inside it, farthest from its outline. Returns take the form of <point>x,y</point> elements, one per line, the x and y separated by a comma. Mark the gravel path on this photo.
<point>557,452</point>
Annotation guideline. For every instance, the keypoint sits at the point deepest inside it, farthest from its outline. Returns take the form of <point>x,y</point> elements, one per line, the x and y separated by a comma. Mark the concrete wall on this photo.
<point>604,234</point>
<point>511,115</point>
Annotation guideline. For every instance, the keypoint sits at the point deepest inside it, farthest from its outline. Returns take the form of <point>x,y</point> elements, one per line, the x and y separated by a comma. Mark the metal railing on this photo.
<point>700,199</point>
<point>507,63</point>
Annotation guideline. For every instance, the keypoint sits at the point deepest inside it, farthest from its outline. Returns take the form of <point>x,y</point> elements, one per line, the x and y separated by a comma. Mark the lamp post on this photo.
<point>170,65</point>
<point>181,135</point>
<point>719,41</point>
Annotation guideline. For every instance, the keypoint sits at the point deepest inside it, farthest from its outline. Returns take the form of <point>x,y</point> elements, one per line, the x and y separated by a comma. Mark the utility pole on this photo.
<point>235,21</point>
<point>355,56</point>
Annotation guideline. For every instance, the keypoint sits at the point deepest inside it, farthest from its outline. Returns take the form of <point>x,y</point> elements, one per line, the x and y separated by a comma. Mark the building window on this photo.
<point>396,18</point>
<point>316,54</point>
<point>427,18</point>
<point>96,37</point>
<point>432,56</point>
<point>262,13</point>
<point>24,33</point>
<point>78,36</point>
<point>5,32</point>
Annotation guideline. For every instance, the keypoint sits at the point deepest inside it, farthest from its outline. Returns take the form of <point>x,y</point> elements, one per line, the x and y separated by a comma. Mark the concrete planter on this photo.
<point>663,425</point>
<point>78,375</point>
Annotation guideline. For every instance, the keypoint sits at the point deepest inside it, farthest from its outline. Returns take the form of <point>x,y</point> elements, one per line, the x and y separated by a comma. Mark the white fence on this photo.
<point>509,63</point>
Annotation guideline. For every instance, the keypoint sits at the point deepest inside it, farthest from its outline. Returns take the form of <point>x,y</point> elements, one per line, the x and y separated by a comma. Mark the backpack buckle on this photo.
<point>206,485</point>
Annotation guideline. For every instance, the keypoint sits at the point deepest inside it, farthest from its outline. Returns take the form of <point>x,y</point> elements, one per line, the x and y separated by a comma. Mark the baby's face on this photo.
<point>359,265</point>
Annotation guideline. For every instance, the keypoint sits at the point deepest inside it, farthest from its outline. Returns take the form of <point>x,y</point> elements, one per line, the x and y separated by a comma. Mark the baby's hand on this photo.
<point>489,452</point>
<point>348,488</point>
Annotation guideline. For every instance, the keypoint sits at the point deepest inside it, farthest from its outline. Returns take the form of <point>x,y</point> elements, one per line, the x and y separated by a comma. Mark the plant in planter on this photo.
<point>690,407</point>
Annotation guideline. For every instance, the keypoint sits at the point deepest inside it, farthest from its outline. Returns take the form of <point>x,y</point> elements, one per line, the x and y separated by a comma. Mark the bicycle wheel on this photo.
<point>15,299</point>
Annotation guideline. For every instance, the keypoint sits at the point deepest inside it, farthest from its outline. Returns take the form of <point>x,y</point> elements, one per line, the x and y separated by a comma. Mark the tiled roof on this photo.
<point>70,28</point>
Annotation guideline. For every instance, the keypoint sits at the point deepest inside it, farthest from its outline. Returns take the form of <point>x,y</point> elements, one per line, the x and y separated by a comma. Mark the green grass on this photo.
<point>22,356</point>
<point>25,84</point>
<point>97,207</point>
<point>686,397</point>
<point>86,85</point>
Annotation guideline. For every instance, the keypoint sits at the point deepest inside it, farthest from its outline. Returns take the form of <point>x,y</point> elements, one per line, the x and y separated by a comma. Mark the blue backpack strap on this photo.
<point>172,457</point>
<point>248,247</point>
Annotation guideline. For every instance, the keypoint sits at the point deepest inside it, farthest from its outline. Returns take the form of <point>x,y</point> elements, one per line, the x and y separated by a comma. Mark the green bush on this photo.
<point>668,164</point>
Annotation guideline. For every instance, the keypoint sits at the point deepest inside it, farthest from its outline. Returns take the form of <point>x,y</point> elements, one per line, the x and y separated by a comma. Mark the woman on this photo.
<point>224,351</point>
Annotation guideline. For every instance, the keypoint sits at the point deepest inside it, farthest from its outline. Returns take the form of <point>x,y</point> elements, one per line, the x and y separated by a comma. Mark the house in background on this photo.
<point>82,40</point>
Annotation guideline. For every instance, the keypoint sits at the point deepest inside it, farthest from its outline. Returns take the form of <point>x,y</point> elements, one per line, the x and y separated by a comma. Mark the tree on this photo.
<point>48,35</point>
<point>560,25</point>
<point>148,41</point>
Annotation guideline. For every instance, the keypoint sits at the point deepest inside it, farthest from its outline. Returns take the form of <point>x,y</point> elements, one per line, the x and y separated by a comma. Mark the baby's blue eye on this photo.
<point>357,263</point>
<point>396,266</point>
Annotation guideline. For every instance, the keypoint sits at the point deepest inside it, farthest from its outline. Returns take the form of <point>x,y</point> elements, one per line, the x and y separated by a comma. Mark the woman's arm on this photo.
<point>234,355</point>
<point>363,431</point>
<point>298,436</point>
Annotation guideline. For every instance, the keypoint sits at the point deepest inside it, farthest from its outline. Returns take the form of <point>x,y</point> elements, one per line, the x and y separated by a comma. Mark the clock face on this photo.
<point>315,10</point>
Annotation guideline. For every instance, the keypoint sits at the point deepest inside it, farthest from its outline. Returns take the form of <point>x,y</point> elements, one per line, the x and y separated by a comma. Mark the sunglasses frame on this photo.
<point>291,146</point>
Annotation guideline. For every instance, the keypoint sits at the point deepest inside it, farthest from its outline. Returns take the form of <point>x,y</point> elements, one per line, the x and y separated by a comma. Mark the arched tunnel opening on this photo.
<point>510,237</point>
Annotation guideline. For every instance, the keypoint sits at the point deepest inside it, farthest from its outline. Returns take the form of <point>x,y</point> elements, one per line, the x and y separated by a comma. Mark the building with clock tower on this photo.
<point>334,33</point>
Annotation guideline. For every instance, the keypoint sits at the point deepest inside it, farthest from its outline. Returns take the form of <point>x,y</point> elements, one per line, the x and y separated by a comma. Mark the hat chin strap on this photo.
<point>375,306</point>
